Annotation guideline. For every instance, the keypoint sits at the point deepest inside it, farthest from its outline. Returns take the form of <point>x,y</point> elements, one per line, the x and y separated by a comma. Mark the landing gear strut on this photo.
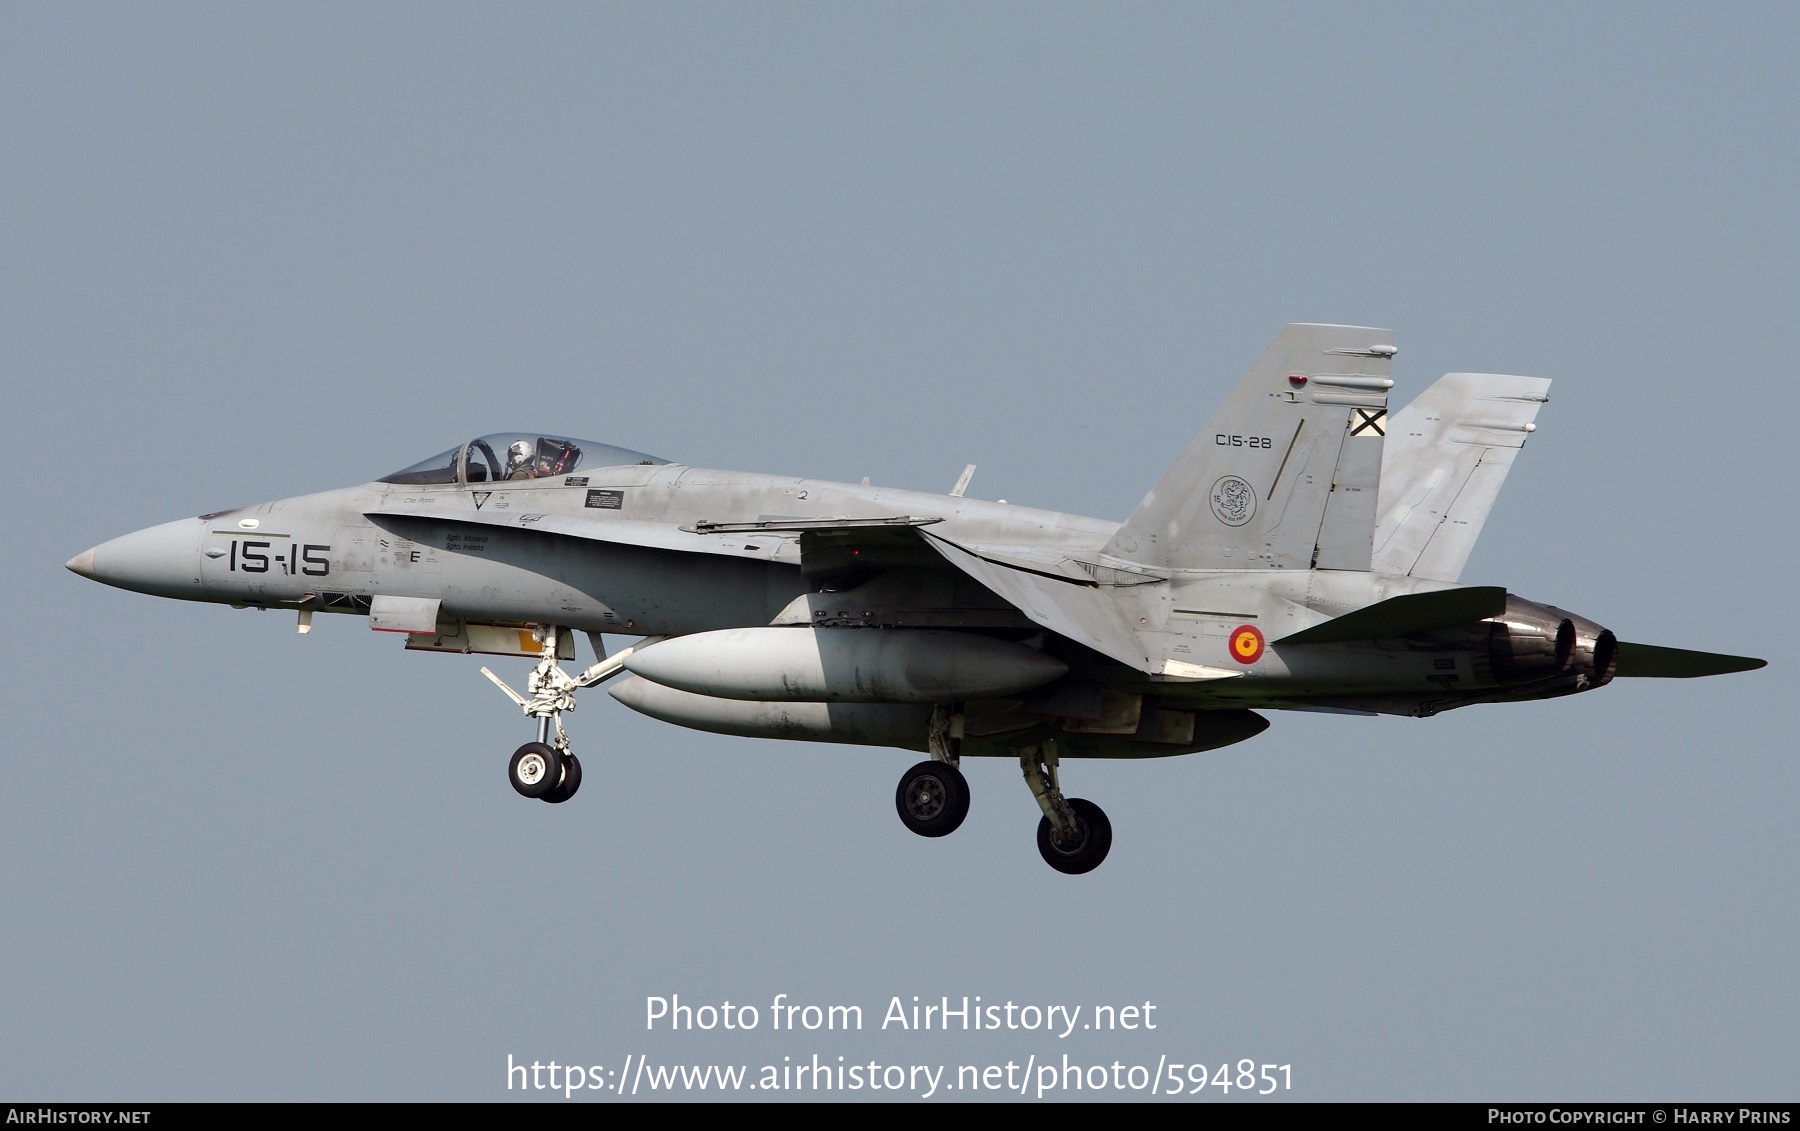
<point>1074,835</point>
<point>547,769</point>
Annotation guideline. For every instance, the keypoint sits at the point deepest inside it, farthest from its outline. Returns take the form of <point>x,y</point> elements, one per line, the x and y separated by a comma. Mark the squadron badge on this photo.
<point>1233,501</point>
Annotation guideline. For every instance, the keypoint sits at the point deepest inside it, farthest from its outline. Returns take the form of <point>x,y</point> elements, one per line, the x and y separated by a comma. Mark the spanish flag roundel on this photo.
<point>1246,644</point>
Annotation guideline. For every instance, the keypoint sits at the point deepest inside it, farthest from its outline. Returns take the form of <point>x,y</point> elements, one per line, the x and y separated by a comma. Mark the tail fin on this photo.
<point>1447,456</point>
<point>1285,474</point>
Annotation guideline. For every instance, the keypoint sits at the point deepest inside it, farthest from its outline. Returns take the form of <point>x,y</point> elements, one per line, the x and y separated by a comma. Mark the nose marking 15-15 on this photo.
<point>250,555</point>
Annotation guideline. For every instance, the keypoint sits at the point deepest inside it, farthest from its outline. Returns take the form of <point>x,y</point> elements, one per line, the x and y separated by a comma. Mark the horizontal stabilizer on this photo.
<point>1646,661</point>
<point>1413,612</point>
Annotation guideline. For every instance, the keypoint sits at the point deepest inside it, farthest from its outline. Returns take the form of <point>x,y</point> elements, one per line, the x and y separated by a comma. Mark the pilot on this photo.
<point>519,460</point>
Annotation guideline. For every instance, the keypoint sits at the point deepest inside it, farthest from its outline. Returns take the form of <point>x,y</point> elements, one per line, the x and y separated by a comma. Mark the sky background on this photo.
<point>253,251</point>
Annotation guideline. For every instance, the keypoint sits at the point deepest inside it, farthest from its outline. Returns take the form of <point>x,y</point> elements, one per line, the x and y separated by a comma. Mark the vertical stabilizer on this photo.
<point>1447,456</point>
<point>1286,472</point>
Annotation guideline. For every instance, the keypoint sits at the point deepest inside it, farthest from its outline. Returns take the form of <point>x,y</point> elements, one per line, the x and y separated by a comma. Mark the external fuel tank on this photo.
<point>845,665</point>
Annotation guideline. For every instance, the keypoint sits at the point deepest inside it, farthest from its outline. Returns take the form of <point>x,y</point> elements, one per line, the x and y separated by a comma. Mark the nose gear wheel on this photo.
<point>570,781</point>
<point>536,769</point>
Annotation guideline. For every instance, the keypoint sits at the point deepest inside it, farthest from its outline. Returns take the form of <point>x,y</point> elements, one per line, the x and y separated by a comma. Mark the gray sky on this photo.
<point>248,252</point>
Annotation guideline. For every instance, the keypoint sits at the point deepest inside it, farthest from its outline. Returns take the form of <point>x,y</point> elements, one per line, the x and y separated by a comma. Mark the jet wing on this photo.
<point>1648,661</point>
<point>791,540</point>
<point>1052,591</point>
<point>1079,609</point>
<point>786,525</point>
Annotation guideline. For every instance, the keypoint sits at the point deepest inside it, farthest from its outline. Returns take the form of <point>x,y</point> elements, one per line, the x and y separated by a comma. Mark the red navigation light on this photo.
<point>1296,379</point>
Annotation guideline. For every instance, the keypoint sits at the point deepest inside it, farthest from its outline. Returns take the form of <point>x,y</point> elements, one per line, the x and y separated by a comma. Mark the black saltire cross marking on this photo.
<point>1370,421</point>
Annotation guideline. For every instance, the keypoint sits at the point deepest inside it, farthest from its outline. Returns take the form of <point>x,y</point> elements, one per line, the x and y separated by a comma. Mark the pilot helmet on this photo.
<point>519,454</point>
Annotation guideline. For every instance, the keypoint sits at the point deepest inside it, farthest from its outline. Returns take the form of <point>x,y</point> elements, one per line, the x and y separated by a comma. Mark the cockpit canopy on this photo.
<point>516,455</point>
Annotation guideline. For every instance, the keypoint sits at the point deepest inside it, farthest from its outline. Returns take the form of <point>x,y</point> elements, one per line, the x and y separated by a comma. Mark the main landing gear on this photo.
<point>1073,835</point>
<point>933,797</point>
<point>547,769</point>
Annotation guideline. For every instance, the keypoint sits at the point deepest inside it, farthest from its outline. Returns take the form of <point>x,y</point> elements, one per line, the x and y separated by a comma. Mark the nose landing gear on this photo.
<point>570,781</point>
<point>547,769</point>
<point>536,769</point>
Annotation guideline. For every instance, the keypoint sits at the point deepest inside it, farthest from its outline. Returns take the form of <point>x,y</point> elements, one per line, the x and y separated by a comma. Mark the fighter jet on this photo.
<point>1303,553</point>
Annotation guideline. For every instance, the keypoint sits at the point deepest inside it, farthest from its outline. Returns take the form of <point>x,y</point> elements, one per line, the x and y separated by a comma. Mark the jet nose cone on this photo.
<point>161,560</point>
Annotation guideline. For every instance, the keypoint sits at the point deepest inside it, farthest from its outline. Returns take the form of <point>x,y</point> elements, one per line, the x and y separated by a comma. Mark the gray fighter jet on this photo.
<point>1303,553</point>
